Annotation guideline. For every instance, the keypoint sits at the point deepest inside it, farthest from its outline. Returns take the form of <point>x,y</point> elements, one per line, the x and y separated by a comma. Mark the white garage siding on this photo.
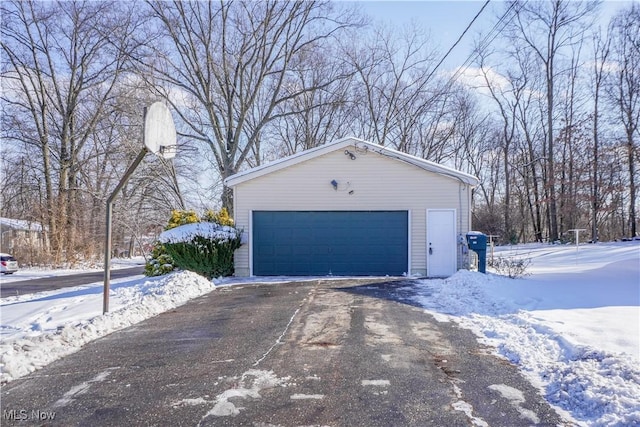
<point>371,181</point>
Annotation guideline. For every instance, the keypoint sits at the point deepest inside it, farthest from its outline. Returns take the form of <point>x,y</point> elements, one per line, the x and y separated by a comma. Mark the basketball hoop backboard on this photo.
<point>160,131</point>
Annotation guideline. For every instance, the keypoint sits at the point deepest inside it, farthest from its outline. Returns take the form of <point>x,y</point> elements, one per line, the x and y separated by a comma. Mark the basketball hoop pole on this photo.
<point>158,135</point>
<point>107,241</point>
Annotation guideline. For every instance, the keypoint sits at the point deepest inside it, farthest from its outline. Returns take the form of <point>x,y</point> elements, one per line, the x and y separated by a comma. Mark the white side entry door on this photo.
<point>441,242</point>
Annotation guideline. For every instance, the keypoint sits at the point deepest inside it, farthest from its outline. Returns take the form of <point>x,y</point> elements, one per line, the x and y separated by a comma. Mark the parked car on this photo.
<point>8,264</point>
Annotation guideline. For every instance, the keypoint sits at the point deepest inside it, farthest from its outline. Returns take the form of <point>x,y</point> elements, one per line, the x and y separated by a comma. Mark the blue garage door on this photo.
<point>360,243</point>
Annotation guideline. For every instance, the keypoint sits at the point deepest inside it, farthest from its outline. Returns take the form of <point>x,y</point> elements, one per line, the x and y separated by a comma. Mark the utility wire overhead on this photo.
<point>458,41</point>
<point>486,41</point>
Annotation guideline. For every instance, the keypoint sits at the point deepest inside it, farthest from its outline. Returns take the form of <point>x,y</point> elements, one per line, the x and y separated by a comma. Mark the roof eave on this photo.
<point>279,164</point>
<point>427,165</point>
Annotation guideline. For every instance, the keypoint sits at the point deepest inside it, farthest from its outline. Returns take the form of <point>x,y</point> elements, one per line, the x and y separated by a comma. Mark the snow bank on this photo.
<point>40,328</point>
<point>575,332</point>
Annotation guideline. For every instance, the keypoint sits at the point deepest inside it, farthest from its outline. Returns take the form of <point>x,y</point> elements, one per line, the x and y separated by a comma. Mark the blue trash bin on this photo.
<point>478,243</point>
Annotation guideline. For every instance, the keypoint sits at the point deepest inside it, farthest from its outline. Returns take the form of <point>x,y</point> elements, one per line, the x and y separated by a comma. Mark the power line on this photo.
<point>458,41</point>
<point>486,41</point>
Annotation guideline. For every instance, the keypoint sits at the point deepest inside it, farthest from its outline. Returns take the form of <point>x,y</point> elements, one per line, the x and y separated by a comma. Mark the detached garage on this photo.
<point>351,208</point>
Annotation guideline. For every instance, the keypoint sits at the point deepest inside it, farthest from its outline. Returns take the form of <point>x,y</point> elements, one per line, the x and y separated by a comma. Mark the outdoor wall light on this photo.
<point>334,183</point>
<point>350,154</point>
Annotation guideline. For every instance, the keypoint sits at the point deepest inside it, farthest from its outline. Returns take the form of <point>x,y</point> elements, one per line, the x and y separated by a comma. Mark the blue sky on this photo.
<point>447,20</point>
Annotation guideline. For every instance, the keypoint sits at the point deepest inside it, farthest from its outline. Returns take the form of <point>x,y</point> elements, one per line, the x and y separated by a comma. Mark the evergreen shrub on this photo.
<point>209,257</point>
<point>179,218</point>
<point>160,263</point>
<point>220,217</point>
<point>205,248</point>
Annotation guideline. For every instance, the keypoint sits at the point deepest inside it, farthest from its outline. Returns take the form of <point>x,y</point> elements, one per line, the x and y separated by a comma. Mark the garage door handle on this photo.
<point>430,249</point>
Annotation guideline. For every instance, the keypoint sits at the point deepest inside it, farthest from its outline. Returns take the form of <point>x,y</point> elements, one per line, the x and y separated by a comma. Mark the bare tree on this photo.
<point>548,28</point>
<point>572,140</point>
<point>323,118</point>
<point>320,115</point>
<point>624,92</point>
<point>226,68</point>
<point>601,50</point>
<point>63,61</point>
<point>506,93</point>
<point>477,138</point>
<point>396,101</point>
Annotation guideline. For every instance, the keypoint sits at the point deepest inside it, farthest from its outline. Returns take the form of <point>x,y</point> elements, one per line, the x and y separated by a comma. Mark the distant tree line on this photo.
<point>545,111</point>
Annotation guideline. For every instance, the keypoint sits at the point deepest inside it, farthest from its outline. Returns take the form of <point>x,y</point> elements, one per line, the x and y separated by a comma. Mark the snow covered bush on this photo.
<point>160,262</point>
<point>205,248</point>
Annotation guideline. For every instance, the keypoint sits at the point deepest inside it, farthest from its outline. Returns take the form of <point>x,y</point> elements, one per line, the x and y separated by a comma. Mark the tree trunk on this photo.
<point>632,185</point>
<point>551,173</point>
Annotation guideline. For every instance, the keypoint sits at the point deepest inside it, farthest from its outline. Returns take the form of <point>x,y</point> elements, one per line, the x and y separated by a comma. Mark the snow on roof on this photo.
<point>341,144</point>
<point>20,224</point>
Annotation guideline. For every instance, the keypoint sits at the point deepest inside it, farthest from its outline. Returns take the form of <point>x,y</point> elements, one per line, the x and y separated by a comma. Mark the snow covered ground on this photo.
<point>573,326</point>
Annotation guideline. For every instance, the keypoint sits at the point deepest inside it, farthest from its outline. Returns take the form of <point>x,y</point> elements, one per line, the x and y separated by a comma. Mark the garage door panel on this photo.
<point>330,242</point>
<point>283,250</point>
<point>321,250</point>
<point>305,252</point>
<point>264,250</point>
<point>299,234</point>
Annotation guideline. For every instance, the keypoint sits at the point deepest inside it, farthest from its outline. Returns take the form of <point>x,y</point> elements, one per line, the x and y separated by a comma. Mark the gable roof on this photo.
<point>341,144</point>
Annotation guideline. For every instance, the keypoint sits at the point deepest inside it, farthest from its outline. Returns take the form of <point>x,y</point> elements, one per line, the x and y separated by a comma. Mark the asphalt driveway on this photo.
<point>330,353</point>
